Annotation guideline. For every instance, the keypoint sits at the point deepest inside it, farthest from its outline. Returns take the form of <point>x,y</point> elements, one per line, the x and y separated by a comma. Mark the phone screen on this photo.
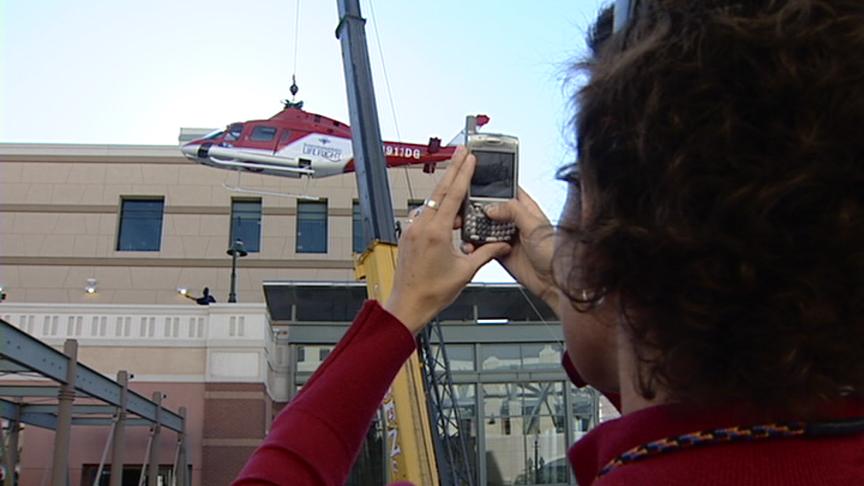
<point>493,175</point>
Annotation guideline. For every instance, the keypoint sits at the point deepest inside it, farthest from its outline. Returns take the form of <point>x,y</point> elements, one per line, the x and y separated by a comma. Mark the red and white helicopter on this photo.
<point>295,143</point>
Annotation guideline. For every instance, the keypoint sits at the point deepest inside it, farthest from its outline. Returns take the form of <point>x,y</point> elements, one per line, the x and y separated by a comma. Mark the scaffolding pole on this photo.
<point>119,429</point>
<point>180,455</point>
<point>10,455</point>
<point>65,398</point>
<point>143,473</point>
<point>104,454</point>
<point>153,464</point>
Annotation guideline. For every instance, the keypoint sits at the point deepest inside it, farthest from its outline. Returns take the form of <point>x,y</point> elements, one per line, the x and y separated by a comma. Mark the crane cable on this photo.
<point>389,92</point>
<point>294,89</point>
<point>545,323</point>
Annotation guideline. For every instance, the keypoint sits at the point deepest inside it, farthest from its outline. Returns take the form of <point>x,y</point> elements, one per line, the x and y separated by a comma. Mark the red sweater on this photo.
<point>315,440</point>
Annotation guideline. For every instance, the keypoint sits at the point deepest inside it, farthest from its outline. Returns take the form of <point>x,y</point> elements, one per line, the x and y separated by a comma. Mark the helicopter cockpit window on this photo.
<point>263,134</point>
<point>234,132</point>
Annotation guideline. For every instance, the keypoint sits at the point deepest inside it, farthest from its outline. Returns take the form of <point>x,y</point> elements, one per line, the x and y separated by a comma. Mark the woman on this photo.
<point>708,271</point>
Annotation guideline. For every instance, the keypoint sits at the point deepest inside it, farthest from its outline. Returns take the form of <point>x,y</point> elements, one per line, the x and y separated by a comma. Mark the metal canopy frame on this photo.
<point>21,353</point>
<point>289,300</point>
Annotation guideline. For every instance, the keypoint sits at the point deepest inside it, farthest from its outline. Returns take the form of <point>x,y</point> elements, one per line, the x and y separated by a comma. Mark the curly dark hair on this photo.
<point>721,154</point>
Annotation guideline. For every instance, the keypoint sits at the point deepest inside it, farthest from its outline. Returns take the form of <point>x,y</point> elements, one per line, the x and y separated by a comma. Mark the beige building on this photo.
<point>96,240</point>
<point>61,213</point>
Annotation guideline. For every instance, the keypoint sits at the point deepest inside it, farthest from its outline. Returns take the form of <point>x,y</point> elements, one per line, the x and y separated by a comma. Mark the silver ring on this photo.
<point>431,204</point>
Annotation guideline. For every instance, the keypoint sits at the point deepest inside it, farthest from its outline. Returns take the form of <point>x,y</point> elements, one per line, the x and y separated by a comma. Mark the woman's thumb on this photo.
<point>499,211</point>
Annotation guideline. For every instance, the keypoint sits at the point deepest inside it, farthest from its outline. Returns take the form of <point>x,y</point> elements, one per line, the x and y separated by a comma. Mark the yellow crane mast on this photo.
<point>409,434</point>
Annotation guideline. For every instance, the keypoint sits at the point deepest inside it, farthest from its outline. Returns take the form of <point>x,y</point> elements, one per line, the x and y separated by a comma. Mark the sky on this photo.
<point>117,72</point>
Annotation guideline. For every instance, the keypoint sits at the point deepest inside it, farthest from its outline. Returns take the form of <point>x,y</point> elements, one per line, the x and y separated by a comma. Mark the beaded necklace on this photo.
<point>780,430</point>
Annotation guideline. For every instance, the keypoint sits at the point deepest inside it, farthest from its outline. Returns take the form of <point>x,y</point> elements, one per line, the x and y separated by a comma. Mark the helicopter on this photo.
<point>296,143</point>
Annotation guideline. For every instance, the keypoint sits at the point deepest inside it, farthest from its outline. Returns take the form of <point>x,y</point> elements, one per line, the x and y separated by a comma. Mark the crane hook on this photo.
<point>294,89</point>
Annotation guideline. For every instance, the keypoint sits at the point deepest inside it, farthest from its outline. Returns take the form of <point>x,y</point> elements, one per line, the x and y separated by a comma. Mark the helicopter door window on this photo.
<point>284,137</point>
<point>263,134</point>
<point>234,132</point>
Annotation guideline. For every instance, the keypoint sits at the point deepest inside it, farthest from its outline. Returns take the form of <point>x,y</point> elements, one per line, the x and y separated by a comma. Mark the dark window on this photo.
<point>414,203</point>
<point>246,224</point>
<point>358,236</point>
<point>140,225</point>
<point>323,353</point>
<point>130,474</point>
<point>263,134</point>
<point>311,227</point>
<point>284,137</point>
<point>323,304</point>
<point>301,354</point>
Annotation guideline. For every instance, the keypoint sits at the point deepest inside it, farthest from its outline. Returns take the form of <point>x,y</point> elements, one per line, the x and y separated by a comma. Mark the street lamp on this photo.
<point>236,250</point>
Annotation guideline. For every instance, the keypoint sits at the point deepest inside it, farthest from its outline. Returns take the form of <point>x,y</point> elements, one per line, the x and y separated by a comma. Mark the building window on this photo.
<point>301,354</point>
<point>311,227</point>
<point>414,204</point>
<point>140,224</point>
<point>246,224</point>
<point>358,236</point>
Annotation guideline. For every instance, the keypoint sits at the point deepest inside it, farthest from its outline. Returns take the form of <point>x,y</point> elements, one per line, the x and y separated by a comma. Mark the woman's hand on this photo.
<point>530,259</point>
<point>431,271</point>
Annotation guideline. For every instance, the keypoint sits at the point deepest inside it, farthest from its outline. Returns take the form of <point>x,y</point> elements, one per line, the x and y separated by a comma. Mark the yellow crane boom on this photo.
<point>408,433</point>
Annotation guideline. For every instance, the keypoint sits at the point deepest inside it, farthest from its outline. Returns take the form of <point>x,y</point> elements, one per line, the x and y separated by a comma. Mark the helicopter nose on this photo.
<point>197,151</point>
<point>190,150</point>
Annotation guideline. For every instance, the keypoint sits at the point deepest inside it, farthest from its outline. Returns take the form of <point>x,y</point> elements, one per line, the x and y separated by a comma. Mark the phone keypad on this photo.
<point>481,229</point>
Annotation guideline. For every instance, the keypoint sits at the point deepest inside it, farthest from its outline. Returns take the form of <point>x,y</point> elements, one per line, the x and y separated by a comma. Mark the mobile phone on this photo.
<point>494,181</point>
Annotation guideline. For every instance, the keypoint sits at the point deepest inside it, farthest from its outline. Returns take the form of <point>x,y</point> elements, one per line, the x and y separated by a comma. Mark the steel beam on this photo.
<point>28,391</point>
<point>76,409</point>
<point>10,367</point>
<point>9,410</point>
<point>43,420</point>
<point>26,353</point>
<point>105,421</point>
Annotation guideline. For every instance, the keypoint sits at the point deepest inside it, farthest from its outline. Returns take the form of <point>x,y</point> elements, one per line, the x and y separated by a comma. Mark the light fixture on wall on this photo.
<point>182,291</point>
<point>90,288</point>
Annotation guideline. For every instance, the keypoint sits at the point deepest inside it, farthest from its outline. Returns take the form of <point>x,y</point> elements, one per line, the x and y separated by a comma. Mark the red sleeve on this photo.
<point>316,438</point>
<point>577,380</point>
